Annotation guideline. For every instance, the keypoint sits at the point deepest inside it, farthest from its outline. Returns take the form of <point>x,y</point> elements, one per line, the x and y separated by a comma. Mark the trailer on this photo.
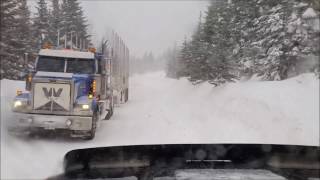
<point>117,55</point>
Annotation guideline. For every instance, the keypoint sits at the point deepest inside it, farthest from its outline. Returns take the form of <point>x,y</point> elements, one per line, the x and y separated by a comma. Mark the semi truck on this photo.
<point>72,90</point>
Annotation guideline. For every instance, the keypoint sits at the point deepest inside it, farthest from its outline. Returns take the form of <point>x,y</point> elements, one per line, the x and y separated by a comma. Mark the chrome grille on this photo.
<point>51,96</point>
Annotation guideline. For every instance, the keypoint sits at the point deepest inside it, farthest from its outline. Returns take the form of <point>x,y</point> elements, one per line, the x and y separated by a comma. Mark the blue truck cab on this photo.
<point>68,91</point>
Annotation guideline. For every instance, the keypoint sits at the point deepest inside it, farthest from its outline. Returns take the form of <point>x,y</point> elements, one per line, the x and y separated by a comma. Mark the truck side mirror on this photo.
<point>32,70</point>
<point>27,67</point>
<point>23,75</point>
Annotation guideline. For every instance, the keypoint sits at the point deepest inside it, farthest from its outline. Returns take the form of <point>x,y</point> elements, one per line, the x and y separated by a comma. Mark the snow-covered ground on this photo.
<point>162,110</point>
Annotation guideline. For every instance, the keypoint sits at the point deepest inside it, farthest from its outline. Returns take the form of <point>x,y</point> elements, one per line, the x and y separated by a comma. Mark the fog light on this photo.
<point>68,122</point>
<point>85,106</point>
<point>17,104</point>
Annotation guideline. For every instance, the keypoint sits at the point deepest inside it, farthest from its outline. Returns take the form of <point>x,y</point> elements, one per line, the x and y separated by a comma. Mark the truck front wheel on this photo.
<point>110,112</point>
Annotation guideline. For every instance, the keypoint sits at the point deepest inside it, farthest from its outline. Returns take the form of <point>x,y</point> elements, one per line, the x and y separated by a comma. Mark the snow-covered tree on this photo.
<point>24,29</point>
<point>8,24</point>
<point>20,34</point>
<point>284,38</point>
<point>42,24</point>
<point>172,66</point>
<point>207,56</point>
<point>192,59</point>
<point>182,60</point>
<point>220,43</point>
<point>16,37</point>
<point>270,31</point>
<point>74,22</point>
<point>271,38</point>
<point>55,20</point>
<point>304,31</point>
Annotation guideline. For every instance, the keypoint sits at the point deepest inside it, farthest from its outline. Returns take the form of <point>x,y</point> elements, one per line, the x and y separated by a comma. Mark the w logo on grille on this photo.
<point>52,92</point>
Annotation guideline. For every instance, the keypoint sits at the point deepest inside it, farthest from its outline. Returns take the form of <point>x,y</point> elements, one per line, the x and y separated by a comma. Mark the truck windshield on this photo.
<point>50,64</point>
<point>83,66</point>
<point>57,64</point>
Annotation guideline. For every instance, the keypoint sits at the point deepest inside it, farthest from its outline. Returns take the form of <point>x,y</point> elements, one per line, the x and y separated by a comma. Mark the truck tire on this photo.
<point>92,132</point>
<point>110,113</point>
<point>126,95</point>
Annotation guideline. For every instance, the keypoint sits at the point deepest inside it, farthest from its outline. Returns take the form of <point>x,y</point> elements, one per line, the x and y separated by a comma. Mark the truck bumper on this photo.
<point>52,122</point>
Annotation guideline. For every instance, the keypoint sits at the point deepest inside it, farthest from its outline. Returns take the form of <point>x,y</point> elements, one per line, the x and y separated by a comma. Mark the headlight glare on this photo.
<point>17,104</point>
<point>85,106</point>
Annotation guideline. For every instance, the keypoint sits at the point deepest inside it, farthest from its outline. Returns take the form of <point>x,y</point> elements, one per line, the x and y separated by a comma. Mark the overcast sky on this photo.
<point>144,25</point>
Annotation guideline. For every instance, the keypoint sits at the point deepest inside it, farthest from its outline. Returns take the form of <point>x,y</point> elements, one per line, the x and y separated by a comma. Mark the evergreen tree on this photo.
<point>271,63</point>
<point>8,24</point>
<point>303,39</point>
<point>73,21</point>
<point>24,29</point>
<point>182,60</point>
<point>243,14</point>
<point>172,63</point>
<point>15,37</point>
<point>41,24</point>
<point>218,32</point>
<point>273,39</point>
<point>197,53</point>
<point>19,34</point>
<point>55,20</point>
<point>285,40</point>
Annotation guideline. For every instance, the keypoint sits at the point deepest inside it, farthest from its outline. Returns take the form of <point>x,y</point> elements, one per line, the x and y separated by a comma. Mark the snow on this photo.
<point>309,13</point>
<point>66,53</point>
<point>169,111</point>
<point>302,4</point>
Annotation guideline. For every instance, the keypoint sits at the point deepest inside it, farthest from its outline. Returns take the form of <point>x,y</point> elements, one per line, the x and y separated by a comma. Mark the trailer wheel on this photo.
<point>92,132</point>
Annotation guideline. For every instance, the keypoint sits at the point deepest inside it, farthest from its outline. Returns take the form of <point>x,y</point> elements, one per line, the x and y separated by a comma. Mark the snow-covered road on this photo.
<point>162,110</point>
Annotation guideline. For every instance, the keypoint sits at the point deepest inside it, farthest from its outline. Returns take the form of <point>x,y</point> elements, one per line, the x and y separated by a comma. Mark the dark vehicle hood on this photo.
<point>165,160</point>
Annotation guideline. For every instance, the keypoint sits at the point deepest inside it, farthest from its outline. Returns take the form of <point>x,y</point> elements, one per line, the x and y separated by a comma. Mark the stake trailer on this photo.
<point>72,91</point>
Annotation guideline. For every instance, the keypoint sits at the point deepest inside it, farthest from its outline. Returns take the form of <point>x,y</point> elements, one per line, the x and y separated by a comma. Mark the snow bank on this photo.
<point>162,110</point>
<point>277,112</point>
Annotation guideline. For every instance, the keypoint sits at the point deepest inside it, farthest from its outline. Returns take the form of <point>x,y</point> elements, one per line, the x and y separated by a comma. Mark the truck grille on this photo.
<point>51,96</point>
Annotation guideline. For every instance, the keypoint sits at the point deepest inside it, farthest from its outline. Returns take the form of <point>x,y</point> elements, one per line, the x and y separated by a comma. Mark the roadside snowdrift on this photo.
<point>274,112</point>
<point>162,110</point>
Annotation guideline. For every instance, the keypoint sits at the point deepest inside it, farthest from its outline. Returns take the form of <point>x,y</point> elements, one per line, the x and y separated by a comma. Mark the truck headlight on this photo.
<point>85,106</point>
<point>17,104</point>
